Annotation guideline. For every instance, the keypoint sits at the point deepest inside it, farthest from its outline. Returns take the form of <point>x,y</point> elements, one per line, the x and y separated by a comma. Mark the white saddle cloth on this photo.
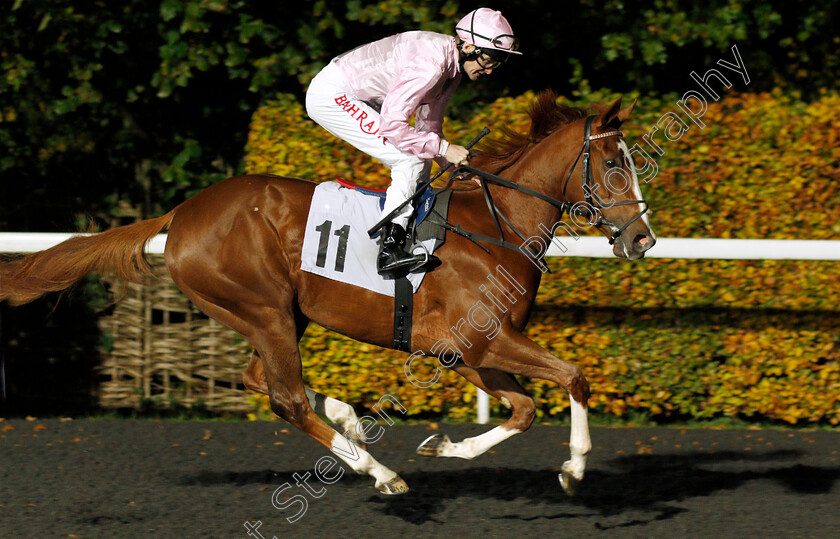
<point>336,243</point>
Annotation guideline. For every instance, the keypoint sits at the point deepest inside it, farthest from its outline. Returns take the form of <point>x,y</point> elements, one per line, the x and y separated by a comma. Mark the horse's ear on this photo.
<point>624,113</point>
<point>616,115</point>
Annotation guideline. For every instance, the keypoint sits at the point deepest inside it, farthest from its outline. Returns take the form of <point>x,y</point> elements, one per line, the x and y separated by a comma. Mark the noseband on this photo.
<point>588,183</point>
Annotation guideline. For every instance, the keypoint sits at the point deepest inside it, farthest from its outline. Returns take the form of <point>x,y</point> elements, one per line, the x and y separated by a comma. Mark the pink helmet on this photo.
<point>488,30</point>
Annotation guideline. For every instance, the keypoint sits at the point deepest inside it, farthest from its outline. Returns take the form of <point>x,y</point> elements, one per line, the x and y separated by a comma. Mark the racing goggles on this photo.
<point>489,61</point>
<point>504,42</point>
<point>491,58</point>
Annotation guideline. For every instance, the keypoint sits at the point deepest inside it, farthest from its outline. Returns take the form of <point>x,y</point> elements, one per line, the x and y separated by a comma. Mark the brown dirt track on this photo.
<point>106,478</point>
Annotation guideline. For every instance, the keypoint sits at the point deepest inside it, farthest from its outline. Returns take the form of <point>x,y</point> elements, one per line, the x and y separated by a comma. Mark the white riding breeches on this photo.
<point>331,103</point>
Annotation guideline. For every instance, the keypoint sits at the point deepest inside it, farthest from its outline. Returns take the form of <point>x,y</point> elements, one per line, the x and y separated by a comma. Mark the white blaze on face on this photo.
<point>637,191</point>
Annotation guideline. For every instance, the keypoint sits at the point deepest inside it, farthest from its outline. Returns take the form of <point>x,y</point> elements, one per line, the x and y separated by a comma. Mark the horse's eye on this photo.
<point>611,163</point>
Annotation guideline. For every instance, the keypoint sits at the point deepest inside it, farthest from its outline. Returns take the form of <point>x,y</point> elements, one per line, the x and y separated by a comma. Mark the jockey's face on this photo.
<point>483,65</point>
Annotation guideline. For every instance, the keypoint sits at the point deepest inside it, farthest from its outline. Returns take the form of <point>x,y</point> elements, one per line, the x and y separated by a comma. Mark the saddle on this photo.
<point>336,245</point>
<point>424,207</point>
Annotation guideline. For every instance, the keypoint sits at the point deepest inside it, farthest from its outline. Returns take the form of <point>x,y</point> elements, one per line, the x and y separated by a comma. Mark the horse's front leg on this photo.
<point>514,353</point>
<point>502,386</point>
<point>580,444</point>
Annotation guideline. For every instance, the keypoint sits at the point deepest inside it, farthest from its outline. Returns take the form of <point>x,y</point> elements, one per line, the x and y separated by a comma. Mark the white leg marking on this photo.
<point>338,412</point>
<point>580,444</point>
<point>360,460</point>
<point>473,447</point>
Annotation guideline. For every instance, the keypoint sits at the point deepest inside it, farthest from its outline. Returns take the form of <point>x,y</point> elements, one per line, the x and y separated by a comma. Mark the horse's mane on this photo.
<point>547,116</point>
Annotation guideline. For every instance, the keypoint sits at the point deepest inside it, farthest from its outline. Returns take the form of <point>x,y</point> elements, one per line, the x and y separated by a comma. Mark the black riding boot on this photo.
<point>392,254</point>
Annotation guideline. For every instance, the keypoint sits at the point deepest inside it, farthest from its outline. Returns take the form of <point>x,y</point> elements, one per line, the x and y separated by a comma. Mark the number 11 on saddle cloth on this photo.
<point>336,244</point>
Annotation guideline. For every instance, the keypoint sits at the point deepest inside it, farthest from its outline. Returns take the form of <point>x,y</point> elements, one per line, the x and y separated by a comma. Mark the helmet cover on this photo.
<point>488,30</point>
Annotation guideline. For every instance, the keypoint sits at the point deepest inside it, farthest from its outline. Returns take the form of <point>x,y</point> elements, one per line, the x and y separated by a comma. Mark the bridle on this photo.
<point>588,183</point>
<point>563,206</point>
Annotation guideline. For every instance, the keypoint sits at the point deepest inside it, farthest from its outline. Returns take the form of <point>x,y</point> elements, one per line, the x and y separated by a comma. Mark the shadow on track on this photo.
<point>634,483</point>
<point>641,482</point>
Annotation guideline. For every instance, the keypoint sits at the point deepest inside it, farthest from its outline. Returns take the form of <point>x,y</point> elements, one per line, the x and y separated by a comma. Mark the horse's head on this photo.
<point>602,186</point>
<point>599,187</point>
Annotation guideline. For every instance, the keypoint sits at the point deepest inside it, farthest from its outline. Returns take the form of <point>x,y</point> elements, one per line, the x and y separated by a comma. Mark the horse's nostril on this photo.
<point>642,241</point>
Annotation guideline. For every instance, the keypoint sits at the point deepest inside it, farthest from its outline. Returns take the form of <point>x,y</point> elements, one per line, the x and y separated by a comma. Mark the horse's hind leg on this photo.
<point>502,386</point>
<point>276,343</point>
<point>254,377</point>
<point>338,412</point>
<point>281,361</point>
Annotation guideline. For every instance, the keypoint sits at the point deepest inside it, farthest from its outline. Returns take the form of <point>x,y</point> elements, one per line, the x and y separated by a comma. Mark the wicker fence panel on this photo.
<point>162,351</point>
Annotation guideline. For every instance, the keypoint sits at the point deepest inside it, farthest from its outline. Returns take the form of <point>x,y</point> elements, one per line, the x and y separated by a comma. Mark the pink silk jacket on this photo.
<point>413,72</point>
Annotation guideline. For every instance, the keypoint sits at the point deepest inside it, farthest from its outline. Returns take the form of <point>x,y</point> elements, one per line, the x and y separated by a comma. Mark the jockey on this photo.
<point>366,97</point>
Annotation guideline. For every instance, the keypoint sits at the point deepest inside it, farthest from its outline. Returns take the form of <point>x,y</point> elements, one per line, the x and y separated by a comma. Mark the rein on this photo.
<point>563,206</point>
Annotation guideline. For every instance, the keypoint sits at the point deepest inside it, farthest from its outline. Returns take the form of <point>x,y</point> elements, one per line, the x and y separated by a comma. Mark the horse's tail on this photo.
<point>118,251</point>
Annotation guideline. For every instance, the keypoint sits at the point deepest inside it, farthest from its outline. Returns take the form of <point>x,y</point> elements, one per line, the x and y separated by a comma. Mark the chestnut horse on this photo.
<point>235,250</point>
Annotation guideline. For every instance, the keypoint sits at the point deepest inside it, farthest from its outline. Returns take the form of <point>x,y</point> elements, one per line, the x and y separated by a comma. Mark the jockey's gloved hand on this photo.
<point>457,155</point>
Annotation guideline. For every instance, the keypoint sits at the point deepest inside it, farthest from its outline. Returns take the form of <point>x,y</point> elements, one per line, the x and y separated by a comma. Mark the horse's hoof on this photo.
<point>350,434</point>
<point>433,445</point>
<point>569,481</point>
<point>393,487</point>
